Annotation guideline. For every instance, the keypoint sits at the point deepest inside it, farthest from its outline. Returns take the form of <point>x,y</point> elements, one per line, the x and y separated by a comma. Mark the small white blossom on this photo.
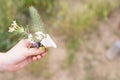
<point>48,42</point>
<point>11,29</point>
<point>14,24</point>
<point>39,35</point>
<point>30,36</point>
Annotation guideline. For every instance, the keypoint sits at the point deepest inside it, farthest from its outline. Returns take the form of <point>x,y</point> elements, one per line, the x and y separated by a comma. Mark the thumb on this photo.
<point>27,43</point>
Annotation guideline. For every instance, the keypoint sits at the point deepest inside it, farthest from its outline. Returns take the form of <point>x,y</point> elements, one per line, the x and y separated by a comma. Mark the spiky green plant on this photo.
<point>36,19</point>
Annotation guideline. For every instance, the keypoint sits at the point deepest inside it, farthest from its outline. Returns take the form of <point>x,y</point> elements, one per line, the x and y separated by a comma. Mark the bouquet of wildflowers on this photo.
<point>38,39</point>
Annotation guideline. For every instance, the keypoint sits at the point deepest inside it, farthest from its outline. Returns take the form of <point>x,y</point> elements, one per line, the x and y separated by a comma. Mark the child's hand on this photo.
<point>20,56</point>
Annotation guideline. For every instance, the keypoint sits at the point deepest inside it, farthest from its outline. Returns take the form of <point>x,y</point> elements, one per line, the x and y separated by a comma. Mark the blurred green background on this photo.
<point>82,29</point>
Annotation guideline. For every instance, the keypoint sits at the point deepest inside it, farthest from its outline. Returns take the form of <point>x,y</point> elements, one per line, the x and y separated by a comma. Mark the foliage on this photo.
<point>36,19</point>
<point>75,25</point>
<point>86,21</point>
<point>7,12</point>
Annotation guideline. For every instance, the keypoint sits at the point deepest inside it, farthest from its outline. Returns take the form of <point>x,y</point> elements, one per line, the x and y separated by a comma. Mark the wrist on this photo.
<point>3,62</point>
<point>2,58</point>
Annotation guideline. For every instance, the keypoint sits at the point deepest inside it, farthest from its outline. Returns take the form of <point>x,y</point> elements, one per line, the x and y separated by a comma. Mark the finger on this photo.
<point>27,43</point>
<point>43,54</point>
<point>34,58</point>
<point>34,51</point>
<point>39,57</point>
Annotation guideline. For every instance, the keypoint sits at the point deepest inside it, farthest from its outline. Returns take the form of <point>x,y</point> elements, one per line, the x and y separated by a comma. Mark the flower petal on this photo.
<point>48,42</point>
<point>11,29</point>
<point>30,36</point>
<point>40,33</point>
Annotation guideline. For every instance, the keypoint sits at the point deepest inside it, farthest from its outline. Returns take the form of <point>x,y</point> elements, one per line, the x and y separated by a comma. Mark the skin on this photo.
<point>20,56</point>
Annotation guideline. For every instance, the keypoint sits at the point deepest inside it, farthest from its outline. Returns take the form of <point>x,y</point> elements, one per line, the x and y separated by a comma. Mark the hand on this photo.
<point>20,56</point>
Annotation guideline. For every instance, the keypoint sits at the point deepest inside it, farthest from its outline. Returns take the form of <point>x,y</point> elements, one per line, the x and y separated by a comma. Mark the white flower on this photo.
<point>48,42</point>
<point>14,24</point>
<point>39,35</point>
<point>30,36</point>
<point>11,29</point>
